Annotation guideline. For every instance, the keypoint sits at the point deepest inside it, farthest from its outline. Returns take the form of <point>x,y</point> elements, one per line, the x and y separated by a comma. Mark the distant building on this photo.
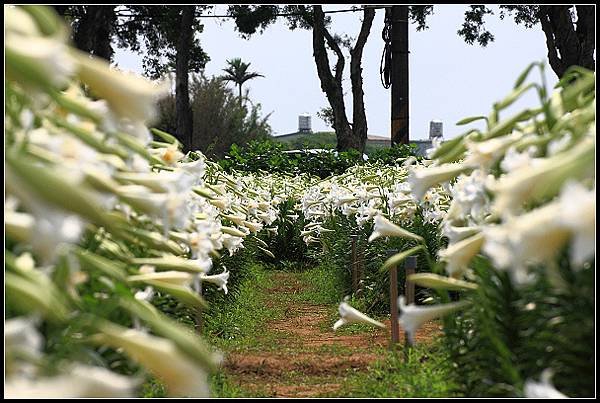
<point>304,124</point>
<point>436,131</point>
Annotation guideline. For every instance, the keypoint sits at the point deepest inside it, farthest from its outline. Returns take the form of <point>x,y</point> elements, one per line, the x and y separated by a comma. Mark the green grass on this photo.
<point>238,326</point>
<point>236,322</point>
<point>425,374</point>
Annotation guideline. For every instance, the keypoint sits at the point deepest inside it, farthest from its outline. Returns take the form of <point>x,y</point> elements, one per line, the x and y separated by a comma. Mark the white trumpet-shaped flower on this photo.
<point>578,214</point>
<point>218,279</point>
<point>80,381</point>
<point>182,376</point>
<point>351,315</point>
<point>130,96</point>
<point>543,389</point>
<point>423,178</point>
<point>412,317</point>
<point>384,227</point>
<point>531,238</point>
<point>459,254</point>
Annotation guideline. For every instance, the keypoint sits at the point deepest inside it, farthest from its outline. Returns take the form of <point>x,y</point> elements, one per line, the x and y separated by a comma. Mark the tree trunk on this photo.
<point>359,118</point>
<point>93,31</point>
<point>330,84</point>
<point>240,93</point>
<point>567,45</point>
<point>182,99</point>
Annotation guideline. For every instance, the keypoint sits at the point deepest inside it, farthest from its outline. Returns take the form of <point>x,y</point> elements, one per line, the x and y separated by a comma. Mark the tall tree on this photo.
<point>182,99</point>
<point>569,31</point>
<point>238,73</point>
<point>349,135</point>
<point>92,27</point>
<point>164,34</point>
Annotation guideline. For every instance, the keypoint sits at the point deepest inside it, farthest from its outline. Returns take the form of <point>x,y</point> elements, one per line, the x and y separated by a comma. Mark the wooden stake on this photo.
<point>354,265</point>
<point>395,333</point>
<point>410,266</point>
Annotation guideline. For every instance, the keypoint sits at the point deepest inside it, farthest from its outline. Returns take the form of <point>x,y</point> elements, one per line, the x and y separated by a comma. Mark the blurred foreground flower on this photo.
<point>182,376</point>
<point>544,388</point>
<point>79,381</point>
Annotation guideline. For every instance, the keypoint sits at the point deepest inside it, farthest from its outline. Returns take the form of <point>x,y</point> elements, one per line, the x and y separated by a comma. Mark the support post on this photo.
<point>399,75</point>
<point>395,333</point>
<point>354,264</point>
<point>198,289</point>
<point>410,266</point>
<point>360,265</point>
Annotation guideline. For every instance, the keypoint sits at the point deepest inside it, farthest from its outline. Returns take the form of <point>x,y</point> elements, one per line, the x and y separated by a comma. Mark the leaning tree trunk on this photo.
<point>92,33</point>
<point>569,45</point>
<point>330,84</point>
<point>182,99</point>
<point>359,118</point>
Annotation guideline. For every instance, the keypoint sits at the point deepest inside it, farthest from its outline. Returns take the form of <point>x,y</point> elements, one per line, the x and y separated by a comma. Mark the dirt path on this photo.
<point>299,355</point>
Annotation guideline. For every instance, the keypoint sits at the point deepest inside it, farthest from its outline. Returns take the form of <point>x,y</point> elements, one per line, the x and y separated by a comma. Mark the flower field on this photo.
<point>123,254</point>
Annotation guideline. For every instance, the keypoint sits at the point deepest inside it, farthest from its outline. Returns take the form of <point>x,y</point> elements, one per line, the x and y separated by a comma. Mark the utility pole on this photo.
<point>399,74</point>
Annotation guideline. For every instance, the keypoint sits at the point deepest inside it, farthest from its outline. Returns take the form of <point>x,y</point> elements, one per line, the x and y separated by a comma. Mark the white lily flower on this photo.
<point>578,214</point>
<point>48,57</point>
<point>182,376</point>
<point>459,254</point>
<point>560,144</point>
<point>232,243</point>
<point>21,336</point>
<point>412,317</point>
<point>171,208</point>
<point>195,168</point>
<point>222,203</point>
<point>146,294</point>
<point>218,279</point>
<point>169,155</point>
<point>421,179</point>
<point>351,315</point>
<point>534,237</point>
<point>543,389</point>
<point>236,219</point>
<point>531,183</point>
<point>171,277</point>
<point>470,196</point>
<point>80,381</point>
<point>253,226</point>
<point>130,96</point>
<point>456,234</point>
<point>384,227</point>
<point>483,154</point>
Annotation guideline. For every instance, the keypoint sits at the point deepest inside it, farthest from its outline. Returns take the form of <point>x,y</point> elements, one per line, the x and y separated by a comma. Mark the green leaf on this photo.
<point>184,294</point>
<point>431,280</point>
<point>100,263</point>
<point>170,263</point>
<point>470,119</point>
<point>180,335</point>
<point>169,138</point>
<point>399,257</point>
<point>524,75</point>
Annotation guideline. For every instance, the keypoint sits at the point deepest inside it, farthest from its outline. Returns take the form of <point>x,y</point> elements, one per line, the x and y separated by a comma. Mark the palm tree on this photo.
<point>238,73</point>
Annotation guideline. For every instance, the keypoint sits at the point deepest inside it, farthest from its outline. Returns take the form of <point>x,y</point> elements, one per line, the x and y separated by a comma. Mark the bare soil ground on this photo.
<point>302,355</point>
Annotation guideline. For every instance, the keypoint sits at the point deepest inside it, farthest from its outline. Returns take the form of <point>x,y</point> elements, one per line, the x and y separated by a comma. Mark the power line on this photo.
<point>233,16</point>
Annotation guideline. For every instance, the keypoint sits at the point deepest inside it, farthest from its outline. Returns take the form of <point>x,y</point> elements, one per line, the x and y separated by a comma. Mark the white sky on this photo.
<point>449,79</point>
